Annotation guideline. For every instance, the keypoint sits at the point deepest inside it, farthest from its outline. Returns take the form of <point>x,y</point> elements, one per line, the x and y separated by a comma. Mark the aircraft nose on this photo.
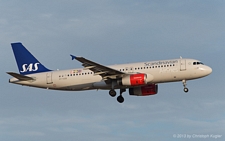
<point>205,70</point>
<point>208,70</point>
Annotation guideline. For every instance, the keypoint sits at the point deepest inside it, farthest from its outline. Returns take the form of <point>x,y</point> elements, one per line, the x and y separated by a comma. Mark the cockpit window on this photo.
<point>198,63</point>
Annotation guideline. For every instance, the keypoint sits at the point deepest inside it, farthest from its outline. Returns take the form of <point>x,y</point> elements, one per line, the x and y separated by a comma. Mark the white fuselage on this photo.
<point>84,79</point>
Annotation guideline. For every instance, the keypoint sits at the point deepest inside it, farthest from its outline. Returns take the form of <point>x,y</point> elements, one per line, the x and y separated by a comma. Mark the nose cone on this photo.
<point>204,71</point>
<point>208,70</point>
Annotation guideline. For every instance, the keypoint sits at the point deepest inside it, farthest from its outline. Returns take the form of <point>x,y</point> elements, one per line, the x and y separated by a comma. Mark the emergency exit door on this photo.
<point>182,64</point>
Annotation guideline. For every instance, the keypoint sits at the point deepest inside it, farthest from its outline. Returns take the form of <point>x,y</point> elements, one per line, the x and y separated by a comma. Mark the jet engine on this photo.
<point>133,80</point>
<point>151,89</point>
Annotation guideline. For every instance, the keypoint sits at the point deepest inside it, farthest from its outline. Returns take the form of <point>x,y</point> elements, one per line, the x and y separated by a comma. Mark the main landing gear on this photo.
<point>120,98</point>
<point>112,93</point>
<point>185,84</point>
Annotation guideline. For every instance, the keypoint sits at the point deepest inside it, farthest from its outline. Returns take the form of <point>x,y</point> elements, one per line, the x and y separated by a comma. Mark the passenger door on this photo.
<point>182,64</point>
<point>49,78</point>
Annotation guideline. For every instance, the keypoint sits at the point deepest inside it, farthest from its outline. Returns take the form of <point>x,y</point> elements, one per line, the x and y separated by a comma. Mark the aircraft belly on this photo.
<point>102,85</point>
<point>80,87</point>
<point>76,83</point>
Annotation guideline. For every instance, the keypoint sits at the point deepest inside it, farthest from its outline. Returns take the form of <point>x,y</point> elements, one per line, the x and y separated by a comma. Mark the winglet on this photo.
<point>73,57</point>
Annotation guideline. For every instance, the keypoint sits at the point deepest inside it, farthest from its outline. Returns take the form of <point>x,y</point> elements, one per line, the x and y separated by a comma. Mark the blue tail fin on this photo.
<point>26,62</point>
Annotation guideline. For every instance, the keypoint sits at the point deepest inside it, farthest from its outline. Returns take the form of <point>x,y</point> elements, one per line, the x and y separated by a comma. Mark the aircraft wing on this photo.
<point>99,69</point>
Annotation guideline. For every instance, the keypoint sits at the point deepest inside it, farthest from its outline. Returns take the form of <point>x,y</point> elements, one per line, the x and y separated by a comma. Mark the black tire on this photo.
<point>120,99</point>
<point>112,93</point>
<point>185,90</point>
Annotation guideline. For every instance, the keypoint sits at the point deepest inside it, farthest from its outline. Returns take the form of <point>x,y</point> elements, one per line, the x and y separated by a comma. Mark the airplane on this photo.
<point>141,79</point>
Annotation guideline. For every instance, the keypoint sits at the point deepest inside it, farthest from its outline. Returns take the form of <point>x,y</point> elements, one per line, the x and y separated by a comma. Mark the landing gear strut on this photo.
<point>112,92</point>
<point>120,98</point>
<point>185,84</point>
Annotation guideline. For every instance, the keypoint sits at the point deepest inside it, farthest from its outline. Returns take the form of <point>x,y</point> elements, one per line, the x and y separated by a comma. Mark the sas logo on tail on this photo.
<point>30,67</point>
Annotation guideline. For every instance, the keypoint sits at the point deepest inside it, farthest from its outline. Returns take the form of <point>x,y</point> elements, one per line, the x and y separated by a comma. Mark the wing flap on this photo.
<point>98,69</point>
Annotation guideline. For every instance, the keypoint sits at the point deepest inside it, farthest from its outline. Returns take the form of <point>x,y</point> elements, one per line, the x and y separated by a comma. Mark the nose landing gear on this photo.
<point>185,90</point>
<point>185,84</point>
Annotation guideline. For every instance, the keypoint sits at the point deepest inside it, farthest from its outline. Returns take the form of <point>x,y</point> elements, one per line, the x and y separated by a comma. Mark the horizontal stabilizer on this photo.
<point>20,77</point>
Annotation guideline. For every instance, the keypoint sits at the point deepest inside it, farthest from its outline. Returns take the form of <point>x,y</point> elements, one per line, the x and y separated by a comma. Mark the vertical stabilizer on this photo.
<point>26,62</point>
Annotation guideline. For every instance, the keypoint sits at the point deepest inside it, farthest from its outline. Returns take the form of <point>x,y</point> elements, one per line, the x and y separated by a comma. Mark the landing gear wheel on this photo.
<point>185,90</point>
<point>120,99</point>
<point>185,84</point>
<point>112,93</point>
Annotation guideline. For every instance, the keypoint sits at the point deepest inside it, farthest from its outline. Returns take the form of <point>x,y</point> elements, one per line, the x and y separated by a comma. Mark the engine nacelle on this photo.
<point>133,80</point>
<point>151,89</point>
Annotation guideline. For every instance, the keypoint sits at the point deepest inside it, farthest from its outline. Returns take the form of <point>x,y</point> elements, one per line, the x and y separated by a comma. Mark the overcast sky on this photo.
<point>112,32</point>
